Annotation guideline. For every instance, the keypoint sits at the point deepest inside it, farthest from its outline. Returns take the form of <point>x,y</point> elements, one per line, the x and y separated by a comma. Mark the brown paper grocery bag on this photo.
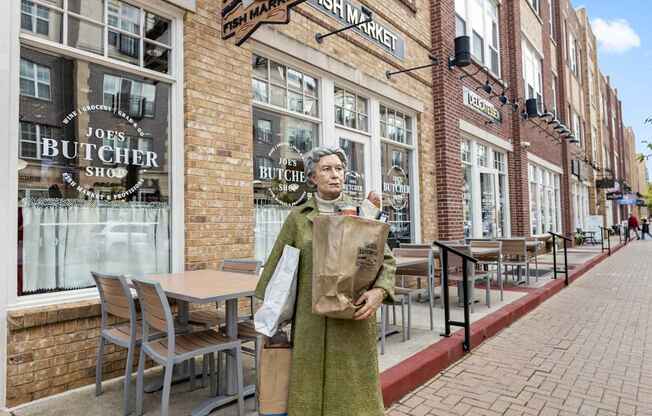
<point>274,380</point>
<point>348,252</point>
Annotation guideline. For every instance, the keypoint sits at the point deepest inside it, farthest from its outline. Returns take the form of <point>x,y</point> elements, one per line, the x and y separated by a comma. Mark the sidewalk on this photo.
<point>584,351</point>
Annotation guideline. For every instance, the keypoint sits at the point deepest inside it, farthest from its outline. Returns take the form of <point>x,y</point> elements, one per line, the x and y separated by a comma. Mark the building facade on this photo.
<point>143,142</point>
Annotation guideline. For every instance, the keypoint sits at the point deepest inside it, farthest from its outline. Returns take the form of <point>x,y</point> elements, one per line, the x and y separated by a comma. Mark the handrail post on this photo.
<point>467,317</point>
<point>444,289</point>
<point>565,262</point>
<point>601,239</point>
<point>554,256</point>
<point>609,242</point>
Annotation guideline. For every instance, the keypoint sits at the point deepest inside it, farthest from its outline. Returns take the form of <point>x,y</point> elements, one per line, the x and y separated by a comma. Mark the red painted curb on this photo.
<point>409,374</point>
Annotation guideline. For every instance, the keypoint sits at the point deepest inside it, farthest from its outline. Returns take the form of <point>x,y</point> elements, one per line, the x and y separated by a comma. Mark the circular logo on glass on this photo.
<point>397,187</point>
<point>354,184</point>
<point>284,175</point>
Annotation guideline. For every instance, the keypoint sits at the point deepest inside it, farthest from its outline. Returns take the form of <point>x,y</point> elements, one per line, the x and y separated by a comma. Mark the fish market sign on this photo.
<point>349,14</point>
<point>241,18</point>
<point>482,106</point>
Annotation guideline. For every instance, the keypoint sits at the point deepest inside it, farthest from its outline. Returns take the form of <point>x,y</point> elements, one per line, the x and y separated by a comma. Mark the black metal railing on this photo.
<point>565,240</point>
<point>466,324</point>
<point>605,233</point>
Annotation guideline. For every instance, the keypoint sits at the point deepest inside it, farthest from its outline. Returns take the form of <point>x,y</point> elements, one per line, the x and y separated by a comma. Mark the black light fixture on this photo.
<point>486,87</point>
<point>503,99</point>
<point>532,108</point>
<point>434,60</point>
<point>365,11</point>
<point>462,56</point>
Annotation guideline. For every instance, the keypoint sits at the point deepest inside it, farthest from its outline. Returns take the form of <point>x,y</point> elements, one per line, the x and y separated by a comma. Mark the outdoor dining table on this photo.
<point>204,287</point>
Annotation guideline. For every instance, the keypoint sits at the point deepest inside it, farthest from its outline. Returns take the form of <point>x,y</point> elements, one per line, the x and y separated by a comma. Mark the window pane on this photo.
<point>478,46</point>
<point>339,115</point>
<point>124,47</point>
<point>277,73</point>
<point>310,107</point>
<point>278,96</point>
<point>27,87</point>
<point>363,123</point>
<point>28,149</point>
<point>124,16</point>
<point>397,192</point>
<point>41,21</point>
<point>354,179</point>
<point>93,9</point>
<point>295,80</point>
<point>460,26</point>
<point>495,66</point>
<point>86,36</point>
<point>310,86</point>
<point>273,198</point>
<point>339,97</point>
<point>156,58</point>
<point>43,91</point>
<point>26,69</point>
<point>362,105</point>
<point>295,102</point>
<point>112,206</point>
<point>259,65</point>
<point>349,101</point>
<point>157,28</point>
<point>349,118</point>
<point>259,91</point>
<point>26,22</point>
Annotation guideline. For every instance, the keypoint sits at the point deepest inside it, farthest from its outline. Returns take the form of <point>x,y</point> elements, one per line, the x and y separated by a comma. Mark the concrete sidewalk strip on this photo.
<point>582,352</point>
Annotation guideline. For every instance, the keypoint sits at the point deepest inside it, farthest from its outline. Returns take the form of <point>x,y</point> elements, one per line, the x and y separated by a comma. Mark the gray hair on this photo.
<point>311,159</point>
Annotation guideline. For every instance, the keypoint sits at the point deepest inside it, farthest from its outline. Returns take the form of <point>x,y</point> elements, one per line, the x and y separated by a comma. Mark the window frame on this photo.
<point>35,81</point>
<point>355,111</point>
<point>544,181</point>
<point>176,127</point>
<point>167,12</point>
<point>464,16</point>
<point>532,58</point>
<point>34,18</point>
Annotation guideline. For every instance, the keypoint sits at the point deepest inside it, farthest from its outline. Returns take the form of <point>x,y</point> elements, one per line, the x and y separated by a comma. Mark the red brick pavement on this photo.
<point>585,351</point>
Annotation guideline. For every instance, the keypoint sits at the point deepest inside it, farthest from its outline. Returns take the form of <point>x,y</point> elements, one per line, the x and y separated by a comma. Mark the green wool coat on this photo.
<point>334,361</point>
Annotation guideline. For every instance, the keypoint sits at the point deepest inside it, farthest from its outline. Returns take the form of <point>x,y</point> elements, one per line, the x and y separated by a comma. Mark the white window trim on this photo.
<point>530,52</point>
<point>476,199</point>
<point>551,186</point>
<point>486,35</point>
<point>175,79</point>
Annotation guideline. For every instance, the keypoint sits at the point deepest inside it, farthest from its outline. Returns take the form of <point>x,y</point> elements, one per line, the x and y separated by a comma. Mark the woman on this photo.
<point>334,361</point>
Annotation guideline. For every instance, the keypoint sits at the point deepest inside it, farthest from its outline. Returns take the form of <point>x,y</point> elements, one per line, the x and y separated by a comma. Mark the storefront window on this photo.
<point>395,125</point>
<point>545,208</point>
<point>85,24</point>
<point>280,141</point>
<point>467,191</point>
<point>354,180</point>
<point>284,87</point>
<point>94,179</point>
<point>351,110</point>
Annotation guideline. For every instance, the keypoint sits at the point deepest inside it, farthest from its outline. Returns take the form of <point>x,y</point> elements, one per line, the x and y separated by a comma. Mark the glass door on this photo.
<point>356,179</point>
<point>488,204</point>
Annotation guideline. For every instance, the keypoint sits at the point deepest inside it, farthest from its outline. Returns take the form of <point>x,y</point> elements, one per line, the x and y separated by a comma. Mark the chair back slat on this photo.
<point>414,245</point>
<point>114,294</point>
<point>485,243</point>
<point>156,309</point>
<point>514,247</point>
<point>241,266</point>
<point>412,252</point>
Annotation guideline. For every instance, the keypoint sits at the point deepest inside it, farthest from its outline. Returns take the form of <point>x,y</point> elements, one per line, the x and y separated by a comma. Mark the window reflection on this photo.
<point>91,186</point>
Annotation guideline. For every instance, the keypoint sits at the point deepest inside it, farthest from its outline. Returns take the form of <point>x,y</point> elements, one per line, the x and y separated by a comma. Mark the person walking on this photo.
<point>645,228</point>
<point>632,224</point>
<point>334,370</point>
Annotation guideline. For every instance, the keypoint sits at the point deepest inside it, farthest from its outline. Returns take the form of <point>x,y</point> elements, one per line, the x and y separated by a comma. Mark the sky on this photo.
<point>624,32</point>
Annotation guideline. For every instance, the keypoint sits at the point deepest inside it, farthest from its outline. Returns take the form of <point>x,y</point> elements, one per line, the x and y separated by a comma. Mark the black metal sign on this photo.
<point>605,183</point>
<point>613,196</point>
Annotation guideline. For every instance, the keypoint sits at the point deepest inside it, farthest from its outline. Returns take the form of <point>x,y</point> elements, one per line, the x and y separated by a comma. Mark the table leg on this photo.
<point>231,332</point>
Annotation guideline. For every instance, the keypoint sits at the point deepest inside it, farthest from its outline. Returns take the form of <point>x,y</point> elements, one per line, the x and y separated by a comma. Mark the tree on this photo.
<point>641,157</point>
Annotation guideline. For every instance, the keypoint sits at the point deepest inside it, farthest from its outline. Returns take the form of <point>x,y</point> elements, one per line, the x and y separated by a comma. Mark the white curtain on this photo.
<point>64,240</point>
<point>269,220</point>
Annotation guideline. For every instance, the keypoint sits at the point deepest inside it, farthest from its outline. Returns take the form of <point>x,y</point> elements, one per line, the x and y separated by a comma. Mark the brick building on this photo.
<point>177,149</point>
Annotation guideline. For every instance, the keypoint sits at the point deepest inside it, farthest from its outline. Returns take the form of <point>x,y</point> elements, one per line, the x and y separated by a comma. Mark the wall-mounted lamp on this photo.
<point>365,11</point>
<point>486,87</point>
<point>462,56</point>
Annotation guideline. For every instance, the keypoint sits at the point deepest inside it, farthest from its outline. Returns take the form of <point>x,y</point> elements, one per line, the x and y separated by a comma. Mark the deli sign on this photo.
<point>241,18</point>
<point>482,106</point>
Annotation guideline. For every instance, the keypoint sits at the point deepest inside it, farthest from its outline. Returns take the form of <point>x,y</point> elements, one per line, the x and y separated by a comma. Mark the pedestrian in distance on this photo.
<point>645,228</point>
<point>334,369</point>
<point>632,224</point>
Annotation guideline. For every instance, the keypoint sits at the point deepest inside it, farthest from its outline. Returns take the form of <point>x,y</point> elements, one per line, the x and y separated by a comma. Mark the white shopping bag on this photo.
<point>280,295</point>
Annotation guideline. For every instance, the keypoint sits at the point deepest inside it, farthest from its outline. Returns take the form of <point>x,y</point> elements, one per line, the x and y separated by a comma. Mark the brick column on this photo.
<point>519,195</point>
<point>446,87</point>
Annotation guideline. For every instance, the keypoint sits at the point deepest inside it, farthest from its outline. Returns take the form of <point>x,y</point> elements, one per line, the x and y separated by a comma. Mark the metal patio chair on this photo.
<point>490,260</point>
<point>175,349</point>
<point>515,254</point>
<point>455,265</point>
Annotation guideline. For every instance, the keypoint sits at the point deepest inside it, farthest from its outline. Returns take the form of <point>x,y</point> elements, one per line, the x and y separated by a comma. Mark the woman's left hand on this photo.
<point>372,299</point>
